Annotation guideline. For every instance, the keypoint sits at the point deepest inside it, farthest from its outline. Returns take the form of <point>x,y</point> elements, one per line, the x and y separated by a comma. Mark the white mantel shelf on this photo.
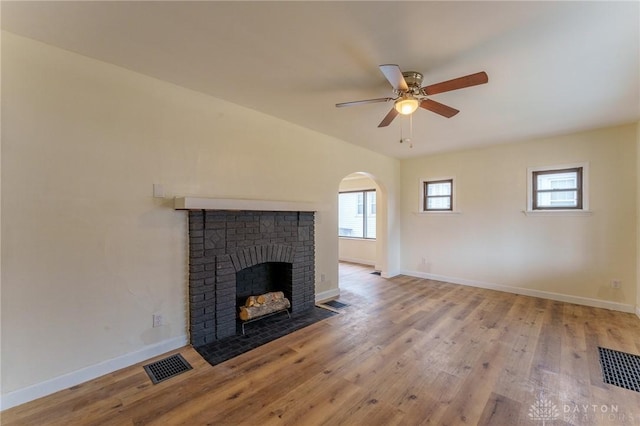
<point>198,203</point>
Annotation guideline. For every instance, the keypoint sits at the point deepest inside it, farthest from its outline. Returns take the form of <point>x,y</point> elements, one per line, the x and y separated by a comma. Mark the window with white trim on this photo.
<point>437,195</point>
<point>558,188</point>
<point>357,214</point>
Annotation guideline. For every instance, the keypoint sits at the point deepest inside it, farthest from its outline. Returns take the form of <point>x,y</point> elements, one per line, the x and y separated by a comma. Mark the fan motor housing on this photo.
<point>413,78</point>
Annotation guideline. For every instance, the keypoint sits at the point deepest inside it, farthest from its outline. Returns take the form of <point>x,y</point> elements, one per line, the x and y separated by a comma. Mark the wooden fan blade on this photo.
<point>366,101</point>
<point>457,83</point>
<point>394,75</point>
<point>388,118</point>
<point>438,108</point>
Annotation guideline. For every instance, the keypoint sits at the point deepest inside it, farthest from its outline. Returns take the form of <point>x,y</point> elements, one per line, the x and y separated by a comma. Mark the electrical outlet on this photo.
<point>616,283</point>
<point>157,320</point>
<point>158,190</point>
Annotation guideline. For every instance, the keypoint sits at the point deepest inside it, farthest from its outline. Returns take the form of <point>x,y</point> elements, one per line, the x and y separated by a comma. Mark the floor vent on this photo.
<point>167,368</point>
<point>620,369</point>
<point>336,304</point>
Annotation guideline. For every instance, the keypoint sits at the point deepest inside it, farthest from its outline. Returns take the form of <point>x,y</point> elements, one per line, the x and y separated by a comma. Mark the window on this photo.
<point>357,214</point>
<point>557,189</point>
<point>438,195</point>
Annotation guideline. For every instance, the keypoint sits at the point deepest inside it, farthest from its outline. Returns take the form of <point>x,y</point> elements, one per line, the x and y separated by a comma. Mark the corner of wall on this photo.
<point>638,218</point>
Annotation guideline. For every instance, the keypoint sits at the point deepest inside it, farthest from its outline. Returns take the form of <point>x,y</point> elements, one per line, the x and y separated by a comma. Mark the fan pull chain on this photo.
<point>409,139</point>
<point>411,131</point>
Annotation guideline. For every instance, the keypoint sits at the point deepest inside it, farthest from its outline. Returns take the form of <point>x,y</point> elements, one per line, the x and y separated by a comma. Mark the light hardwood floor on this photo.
<point>406,351</point>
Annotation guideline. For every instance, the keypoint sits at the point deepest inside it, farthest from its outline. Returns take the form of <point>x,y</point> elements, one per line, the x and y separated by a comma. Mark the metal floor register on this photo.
<point>620,368</point>
<point>167,368</point>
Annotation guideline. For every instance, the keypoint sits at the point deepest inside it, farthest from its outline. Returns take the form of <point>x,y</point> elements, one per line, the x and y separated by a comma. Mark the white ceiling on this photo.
<point>554,67</point>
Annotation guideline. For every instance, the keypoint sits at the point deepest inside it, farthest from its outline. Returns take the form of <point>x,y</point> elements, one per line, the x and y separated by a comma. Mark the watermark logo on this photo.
<point>543,410</point>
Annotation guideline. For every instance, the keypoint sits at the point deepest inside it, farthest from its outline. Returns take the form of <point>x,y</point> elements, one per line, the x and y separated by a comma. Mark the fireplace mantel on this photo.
<point>199,203</point>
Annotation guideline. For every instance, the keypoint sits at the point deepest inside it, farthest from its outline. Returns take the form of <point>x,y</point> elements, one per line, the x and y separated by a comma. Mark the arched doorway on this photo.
<point>359,241</point>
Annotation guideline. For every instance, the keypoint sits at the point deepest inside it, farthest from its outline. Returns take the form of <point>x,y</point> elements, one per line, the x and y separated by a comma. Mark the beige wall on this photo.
<point>492,243</point>
<point>638,222</point>
<point>88,255</point>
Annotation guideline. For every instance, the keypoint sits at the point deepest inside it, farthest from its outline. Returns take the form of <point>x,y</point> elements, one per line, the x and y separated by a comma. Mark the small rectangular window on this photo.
<point>557,189</point>
<point>438,195</point>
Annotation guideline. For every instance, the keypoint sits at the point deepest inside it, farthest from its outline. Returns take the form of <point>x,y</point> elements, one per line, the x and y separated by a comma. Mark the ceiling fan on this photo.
<point>407,86</point>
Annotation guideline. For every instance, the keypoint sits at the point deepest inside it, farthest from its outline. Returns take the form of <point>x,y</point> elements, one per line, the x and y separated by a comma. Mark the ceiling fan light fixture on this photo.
<point>411,94</point>
<point>406,105</point>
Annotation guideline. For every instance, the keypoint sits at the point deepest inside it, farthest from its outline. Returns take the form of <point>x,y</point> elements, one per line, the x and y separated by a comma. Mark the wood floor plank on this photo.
<point>501,410</point>
<point>405,351</point>
<point>475,391</point>
<point>522,350</point>
<point>310,403</point>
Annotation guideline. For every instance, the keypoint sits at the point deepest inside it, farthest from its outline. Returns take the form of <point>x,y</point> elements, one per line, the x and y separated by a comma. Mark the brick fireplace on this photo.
<point>235,253</point>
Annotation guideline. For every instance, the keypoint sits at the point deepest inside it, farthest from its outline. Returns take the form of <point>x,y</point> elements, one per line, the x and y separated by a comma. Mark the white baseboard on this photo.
<point>390,274</point>
<point>326,295</point>
<point>357,260</point>
<point>65,381</point>
<point>578,300</point>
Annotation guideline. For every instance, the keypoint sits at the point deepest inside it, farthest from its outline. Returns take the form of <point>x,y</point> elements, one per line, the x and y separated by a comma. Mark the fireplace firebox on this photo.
<point>263,278</point>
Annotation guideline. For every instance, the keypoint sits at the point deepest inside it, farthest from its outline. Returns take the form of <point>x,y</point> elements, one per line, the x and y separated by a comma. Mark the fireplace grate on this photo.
<point>166,368</point>
<point>620,368</point>
<point>336,304</point>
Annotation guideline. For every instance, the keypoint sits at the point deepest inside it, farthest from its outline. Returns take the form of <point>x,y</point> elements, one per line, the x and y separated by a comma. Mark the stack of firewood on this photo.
<point>263,304</point>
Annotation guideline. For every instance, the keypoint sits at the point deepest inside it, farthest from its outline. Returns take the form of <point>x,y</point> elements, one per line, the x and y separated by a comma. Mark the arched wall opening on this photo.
<point>367,251</point>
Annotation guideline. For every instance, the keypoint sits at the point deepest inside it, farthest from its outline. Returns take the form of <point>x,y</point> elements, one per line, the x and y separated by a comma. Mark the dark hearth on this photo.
<point>234,254</point>
<point>259,333</point>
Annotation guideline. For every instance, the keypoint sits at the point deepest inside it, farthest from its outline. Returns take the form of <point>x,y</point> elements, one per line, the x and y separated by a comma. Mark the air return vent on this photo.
<point>335,304</point>
<point>167,368</point>
<point>620,369</point>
